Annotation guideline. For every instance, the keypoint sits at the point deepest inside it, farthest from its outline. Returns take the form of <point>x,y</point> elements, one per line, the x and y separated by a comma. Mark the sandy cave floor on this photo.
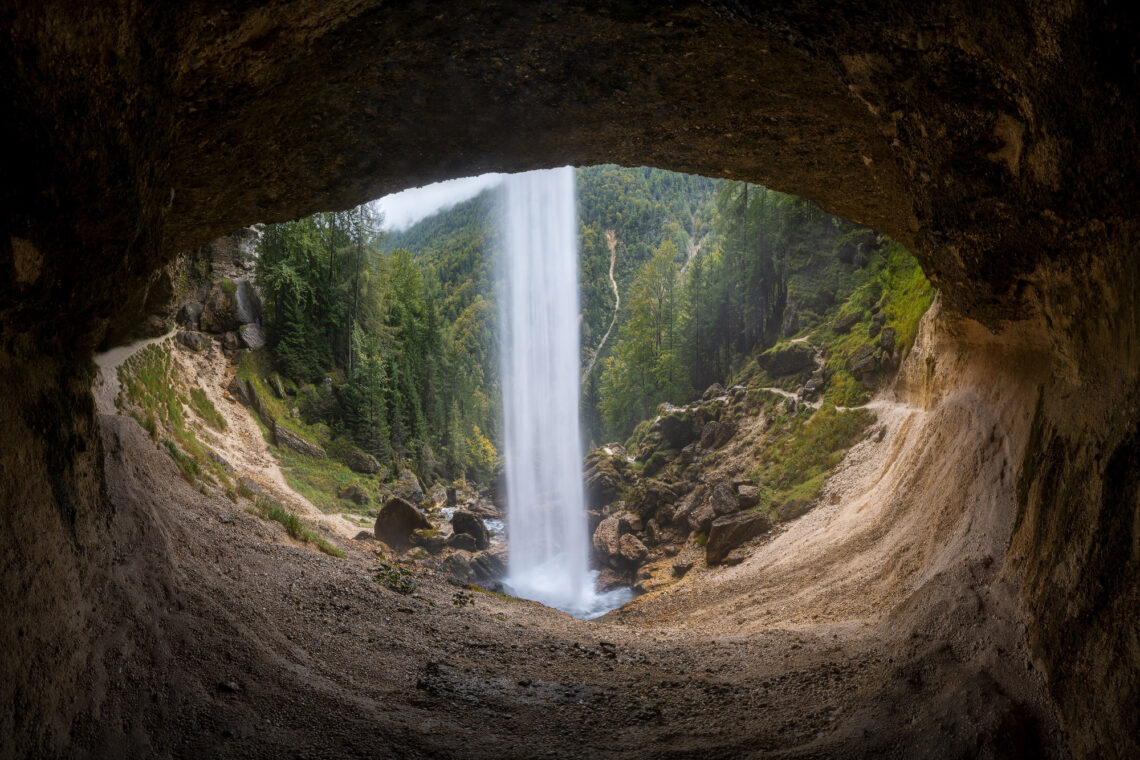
<point>878,625</point>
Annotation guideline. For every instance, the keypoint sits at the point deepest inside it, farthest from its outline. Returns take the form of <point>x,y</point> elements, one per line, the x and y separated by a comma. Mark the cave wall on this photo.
<point>997,142</point>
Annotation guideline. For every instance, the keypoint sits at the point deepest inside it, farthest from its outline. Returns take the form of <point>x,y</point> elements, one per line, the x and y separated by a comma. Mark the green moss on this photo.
<point>228,286</point>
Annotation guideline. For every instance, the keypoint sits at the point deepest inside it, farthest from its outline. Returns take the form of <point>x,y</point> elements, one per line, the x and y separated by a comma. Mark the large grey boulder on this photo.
<point>360,461</point>
<point>408,486</point>
<point>787,360</point>
<point>195,341</point>
<point>676,427</point>
<point>252,336</point>
<point>723,498</point>
<point>396,522</point>
<point>727,533</point>
<point>189,315</point>
<point>468,522</point>
<point>284,437</point>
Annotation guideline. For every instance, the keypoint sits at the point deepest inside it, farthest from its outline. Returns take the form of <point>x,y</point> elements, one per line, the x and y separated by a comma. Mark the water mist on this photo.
<point>546,513</point>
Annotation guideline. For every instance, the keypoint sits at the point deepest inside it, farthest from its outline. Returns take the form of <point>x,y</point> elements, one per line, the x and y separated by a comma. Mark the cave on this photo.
<point>997,143</point>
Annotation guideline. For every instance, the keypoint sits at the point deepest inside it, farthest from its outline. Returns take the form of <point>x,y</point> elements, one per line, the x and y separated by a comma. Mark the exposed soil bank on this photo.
<point>999,143</point>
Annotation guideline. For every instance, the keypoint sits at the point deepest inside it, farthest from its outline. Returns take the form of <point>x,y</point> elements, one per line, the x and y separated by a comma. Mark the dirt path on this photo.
<point>106,387</point>
<point>611,241</point>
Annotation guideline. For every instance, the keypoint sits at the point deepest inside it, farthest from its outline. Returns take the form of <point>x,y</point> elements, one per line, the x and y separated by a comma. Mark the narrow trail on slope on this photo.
<point>611,241</point>
<point>241,444</point>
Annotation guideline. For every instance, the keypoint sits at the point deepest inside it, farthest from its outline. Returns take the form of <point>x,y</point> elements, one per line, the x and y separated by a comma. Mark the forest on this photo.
<point>390,338</point>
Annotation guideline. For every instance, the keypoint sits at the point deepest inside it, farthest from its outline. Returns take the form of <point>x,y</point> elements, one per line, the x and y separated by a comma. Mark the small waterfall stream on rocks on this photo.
<point>546,513</point>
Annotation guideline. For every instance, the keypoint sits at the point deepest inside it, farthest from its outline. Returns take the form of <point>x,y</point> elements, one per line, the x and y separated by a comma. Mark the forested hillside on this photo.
<point>391,338</point>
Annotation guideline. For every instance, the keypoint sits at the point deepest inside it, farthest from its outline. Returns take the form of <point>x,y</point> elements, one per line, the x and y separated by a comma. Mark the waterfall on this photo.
<point>546,513</point>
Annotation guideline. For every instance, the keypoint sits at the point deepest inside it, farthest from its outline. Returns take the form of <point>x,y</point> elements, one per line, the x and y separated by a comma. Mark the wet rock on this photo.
<point>247,306</point>
<point>676,428</point>
<point>713,391</point>
<point>610,579</point>
<point>254,338</point>
<point>219,313</point>
<point>464,541</point>
<point>189,316</point>
<point>282,436</point>
<point>396,521</point>
<point>748,496</point>
<point>195,341</point>
<point>727,533</point>
<point>360,461</point>
<point>792,509</point>
<point>354,493</point>
<point>631,549</point>
<point>788,360</point>
<point>467,522</point>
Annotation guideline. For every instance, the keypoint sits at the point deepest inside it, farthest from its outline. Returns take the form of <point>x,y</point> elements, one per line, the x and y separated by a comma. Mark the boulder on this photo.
<point>845,322</point>
<point>277,385</point>
<point>676,428</point>
<point>221,461</point>
<point>723,498</point>
<point>862,361</point>
<point>438,494</point>
<point>655,464</point>
<point>607,537</point>
<point>716,434</point>
<point>649,495</point>
<point>487,566</point>
<point>681,566</point>
<point>364,536</point>
<point>237,391</point>
<point>603,480</point>
<point>452,497</point>
<point>458,566</point>
<point>464,541</point>
<point>790,405</point>
<point>701,518</point>
<point>727,533</point>
<point>792,509</point>
<point>254,338</point>
<point>359,461</point>
<point>195,341</point>
<point>231,341</point>
<point>611,580</point>
<point>713,391</point>
<point>190,315</point>
<point>887,339</point>
<point>396,521</point>
<point>408,486</point>
<point>219,313</point>
<point>787,360</point>
<point>468,522</point>
<point>428,538</point>
<point>813,387</point>
<point>748,496</point>
<point>251,485</point>
<point>284,437</point>
<point>631,549</point>
<point>354,493</point>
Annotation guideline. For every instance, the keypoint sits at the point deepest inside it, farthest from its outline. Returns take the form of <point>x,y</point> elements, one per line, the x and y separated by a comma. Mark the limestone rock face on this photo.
<point>396,522</point>
<point>603,480</point>
<point>219,314</point>
<point>727,533</point>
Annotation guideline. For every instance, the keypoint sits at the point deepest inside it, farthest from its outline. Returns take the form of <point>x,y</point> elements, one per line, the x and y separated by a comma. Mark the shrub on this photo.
<point>395,577</point>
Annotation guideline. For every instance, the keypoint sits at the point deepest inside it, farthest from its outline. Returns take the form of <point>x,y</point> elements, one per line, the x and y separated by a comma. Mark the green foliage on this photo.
<point>462,599</point>
<point>186,465</point>
<point>395,577</point>
<point>206,409</point>
<point>803,450</point>
<point>268,509</point>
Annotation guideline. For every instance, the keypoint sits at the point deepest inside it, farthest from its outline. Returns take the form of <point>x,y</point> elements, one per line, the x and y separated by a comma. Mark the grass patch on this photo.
<point>803,451</point>
<point>319,481</point>
<point>268,509</point>
<point>205,409</point>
